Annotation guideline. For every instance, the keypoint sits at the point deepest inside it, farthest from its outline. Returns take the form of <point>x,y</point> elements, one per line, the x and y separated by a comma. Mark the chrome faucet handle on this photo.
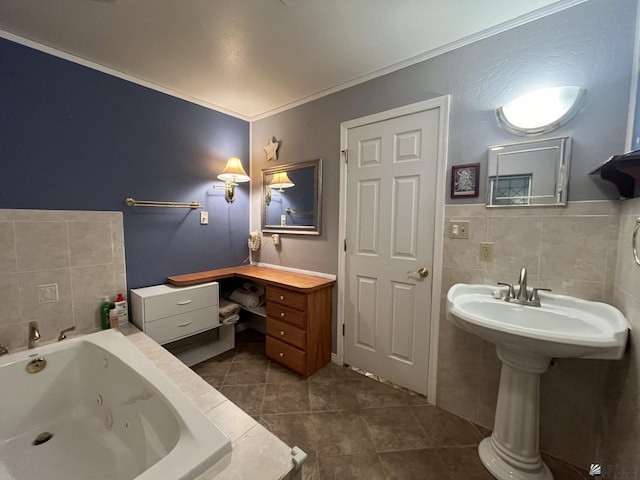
<point>62,335</point>
<point>510,292</point>
<point>3,349</point>
<point>535,299</point>
<point>34,335</point>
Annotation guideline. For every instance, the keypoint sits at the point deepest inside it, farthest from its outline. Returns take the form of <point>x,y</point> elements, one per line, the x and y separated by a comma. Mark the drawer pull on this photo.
<point>185,302</point>
<point>281,314</point>
<point>186,324</point>
<point>281,297</point>
<point>281,333</point>
<point>281,354</point>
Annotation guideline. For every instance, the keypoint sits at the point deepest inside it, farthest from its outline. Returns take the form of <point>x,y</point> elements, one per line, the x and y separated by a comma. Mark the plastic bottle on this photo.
<point>121,308</point>
<point>104,313</point>
<point>113,318</point>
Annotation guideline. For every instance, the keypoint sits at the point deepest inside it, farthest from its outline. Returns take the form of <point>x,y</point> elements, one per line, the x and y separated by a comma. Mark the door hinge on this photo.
<point>345,152</point>
<point>343,329</point>
<point>345,244</point>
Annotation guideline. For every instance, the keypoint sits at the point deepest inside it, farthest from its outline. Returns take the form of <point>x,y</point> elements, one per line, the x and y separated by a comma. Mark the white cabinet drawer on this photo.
<point>173,328</point>
<point>165,301</point>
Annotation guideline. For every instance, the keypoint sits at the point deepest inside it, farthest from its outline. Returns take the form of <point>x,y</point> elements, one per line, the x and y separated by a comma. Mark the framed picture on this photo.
<point>465,180</point>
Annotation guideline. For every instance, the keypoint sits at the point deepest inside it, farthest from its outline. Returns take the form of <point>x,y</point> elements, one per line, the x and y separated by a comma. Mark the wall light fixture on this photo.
<point>233,174</point>
<point>280,181</point>
<point>541,111</point>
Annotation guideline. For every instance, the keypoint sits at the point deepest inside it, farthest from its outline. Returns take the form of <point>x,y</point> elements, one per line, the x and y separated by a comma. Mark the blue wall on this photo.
<point>72,138</point>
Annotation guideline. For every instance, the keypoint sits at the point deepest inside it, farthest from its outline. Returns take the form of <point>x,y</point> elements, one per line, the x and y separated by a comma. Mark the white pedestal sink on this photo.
<point>526,340</point>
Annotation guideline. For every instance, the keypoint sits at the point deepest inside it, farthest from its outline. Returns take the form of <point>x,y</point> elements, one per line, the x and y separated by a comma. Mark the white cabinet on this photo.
<point>181,316</point>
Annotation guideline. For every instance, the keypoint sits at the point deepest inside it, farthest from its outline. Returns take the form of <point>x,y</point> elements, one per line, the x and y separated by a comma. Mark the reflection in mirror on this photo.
<point>529,174</point>
<point>292,198</point>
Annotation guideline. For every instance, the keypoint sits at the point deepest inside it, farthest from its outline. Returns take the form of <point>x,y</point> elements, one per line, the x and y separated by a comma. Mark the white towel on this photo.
<point>253,288</point>
<point>231,320</point>
<point>244,298</point>
<point>227,308</point>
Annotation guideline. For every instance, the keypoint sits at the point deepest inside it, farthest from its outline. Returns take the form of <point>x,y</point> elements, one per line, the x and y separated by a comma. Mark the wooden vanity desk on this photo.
<point>298,313</point>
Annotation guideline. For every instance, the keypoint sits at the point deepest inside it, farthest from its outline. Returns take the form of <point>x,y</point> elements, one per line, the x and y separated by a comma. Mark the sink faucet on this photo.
<point>522,293</point>
<point>522,298</point>
<point>34,335</point>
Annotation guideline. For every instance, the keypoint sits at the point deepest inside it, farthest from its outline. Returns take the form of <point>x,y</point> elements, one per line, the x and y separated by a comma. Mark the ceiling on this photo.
<point>250,58</point>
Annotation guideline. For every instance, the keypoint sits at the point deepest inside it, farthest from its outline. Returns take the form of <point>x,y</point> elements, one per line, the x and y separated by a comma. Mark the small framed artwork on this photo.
<point>465,180</point>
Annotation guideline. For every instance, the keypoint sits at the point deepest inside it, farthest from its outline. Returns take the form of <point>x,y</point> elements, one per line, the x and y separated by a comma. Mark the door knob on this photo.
<point>422,272</point>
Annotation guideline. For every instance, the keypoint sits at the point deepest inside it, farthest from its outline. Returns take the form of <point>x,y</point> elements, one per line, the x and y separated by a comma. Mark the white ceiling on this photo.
<point>251,57</point>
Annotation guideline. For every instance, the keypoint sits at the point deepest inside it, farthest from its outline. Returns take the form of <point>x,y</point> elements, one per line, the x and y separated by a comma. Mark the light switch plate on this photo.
<point>458,229</point>
<point>204,218</point>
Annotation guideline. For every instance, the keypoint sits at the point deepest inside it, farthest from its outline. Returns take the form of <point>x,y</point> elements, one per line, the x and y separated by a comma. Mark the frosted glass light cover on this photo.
<point>541,111</point>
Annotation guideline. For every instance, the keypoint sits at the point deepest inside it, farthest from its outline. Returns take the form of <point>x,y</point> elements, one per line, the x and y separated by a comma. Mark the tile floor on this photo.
<point>352,427</point>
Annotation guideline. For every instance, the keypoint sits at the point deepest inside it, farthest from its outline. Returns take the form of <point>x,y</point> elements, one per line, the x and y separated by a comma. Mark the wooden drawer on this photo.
<point>286,314</point>
<point>172,328</point>
<point>179,301</point>
<point>287,297</point>
<point>287,355</point>
<point>287,333</point>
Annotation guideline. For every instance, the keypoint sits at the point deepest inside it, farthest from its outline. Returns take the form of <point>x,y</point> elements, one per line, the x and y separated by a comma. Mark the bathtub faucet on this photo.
<point>34,335</point>
<point>3,350</point>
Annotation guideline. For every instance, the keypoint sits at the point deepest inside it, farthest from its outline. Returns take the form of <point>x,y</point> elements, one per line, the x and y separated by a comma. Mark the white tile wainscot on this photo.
<point>256,454</point>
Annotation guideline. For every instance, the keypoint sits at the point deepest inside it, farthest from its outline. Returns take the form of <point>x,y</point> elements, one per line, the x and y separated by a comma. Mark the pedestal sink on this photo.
<point>526,340</point>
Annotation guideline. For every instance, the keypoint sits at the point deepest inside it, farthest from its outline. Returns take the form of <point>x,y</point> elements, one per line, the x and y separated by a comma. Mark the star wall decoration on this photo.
<point>272,149</point>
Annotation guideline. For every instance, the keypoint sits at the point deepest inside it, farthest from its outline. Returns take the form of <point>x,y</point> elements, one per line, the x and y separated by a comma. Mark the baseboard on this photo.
<point>334,359</point>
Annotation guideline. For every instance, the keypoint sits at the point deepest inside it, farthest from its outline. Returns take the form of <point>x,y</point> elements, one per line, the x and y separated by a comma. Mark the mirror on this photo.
<point>529,174</point>
<point>292,198</point>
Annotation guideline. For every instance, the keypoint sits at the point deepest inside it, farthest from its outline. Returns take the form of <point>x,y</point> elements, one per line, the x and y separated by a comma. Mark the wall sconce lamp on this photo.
<point>541,111</point>
<point>232,175</point>
<point>280,181</point>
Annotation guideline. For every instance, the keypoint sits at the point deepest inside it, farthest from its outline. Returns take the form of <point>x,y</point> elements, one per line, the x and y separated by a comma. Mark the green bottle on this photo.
<point>104,312</point>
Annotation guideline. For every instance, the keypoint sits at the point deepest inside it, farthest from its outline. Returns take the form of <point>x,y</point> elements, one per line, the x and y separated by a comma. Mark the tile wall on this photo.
<point>81,253</point>
<point>571,250</point>
<point>618,433</point>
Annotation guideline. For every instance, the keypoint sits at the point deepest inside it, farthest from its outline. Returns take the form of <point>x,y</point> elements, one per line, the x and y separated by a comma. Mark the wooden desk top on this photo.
<point>269,276</point>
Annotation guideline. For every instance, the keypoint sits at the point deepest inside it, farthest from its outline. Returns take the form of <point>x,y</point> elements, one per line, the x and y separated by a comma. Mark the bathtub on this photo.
<point>112,415</point>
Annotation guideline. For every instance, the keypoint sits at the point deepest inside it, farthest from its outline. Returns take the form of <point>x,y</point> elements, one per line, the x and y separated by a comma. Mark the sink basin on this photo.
<point>526,340</point>
<point>561,327</point>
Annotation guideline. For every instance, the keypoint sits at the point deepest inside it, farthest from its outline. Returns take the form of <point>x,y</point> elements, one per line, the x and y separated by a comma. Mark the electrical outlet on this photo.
<point>486,252</point>
<point>204,218</point>
<point>458,229</point>
<point>283,220</point>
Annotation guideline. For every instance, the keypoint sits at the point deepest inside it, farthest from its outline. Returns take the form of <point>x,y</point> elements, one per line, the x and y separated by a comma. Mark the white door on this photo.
<point>391,197</point>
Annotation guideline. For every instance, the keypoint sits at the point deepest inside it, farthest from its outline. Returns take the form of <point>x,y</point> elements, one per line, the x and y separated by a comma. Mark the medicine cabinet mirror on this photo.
<point>529,174</point>
<point>292,198</point>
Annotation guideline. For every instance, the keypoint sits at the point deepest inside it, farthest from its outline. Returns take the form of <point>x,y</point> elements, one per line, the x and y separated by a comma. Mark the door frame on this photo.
<point>441,175</point>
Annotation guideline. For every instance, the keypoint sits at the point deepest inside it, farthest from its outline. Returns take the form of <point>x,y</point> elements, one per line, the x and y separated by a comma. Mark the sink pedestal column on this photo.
<point>512,452</point>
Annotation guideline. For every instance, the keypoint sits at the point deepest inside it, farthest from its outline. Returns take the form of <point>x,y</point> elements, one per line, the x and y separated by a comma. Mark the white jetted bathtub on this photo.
<point>99,409</point>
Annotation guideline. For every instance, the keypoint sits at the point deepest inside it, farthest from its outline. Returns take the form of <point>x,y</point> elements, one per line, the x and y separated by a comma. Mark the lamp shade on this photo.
<point>234,172</point>
<point>281,180</point>
<point>541,111</point>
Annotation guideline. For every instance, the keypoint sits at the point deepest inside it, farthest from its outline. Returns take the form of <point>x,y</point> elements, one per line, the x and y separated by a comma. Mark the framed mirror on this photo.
<point>529,174</point>
<point>292,198</point>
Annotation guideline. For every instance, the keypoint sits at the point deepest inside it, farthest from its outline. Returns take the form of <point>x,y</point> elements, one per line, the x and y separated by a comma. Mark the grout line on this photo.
<point>15,251</point>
